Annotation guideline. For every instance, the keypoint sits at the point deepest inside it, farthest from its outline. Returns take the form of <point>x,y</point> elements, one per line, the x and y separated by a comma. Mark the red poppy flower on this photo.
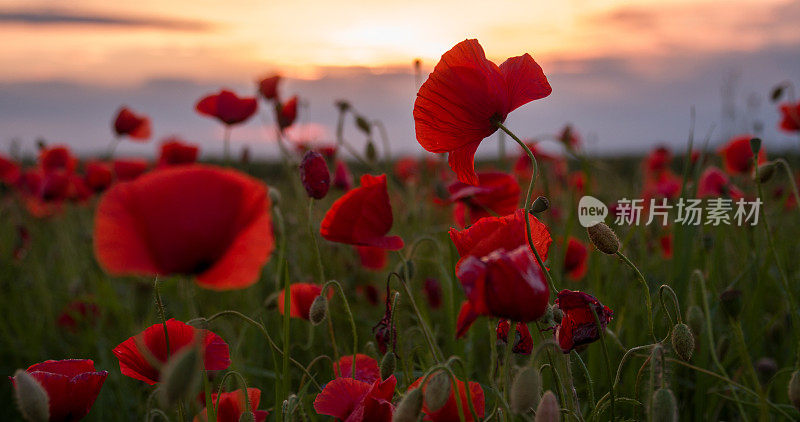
<point>665,184</point>
<point>268,87</point>
<point>504,284</point>
<point>575,259</point>
<point>44,193</point>
<point>72,385</point>
<point>449,412</point>
<point>227,107</point>
<point>790,117</point>
<point>737,156</point>
<point>286,113</point>
<point>714,183</point>
<point>57,158</point>
<point>174,151</point>
<point>129,169</point>
<point>351,400</point>
<point>78,311</point>
<point>372,257</point>
<point>98,176</point>
<point>578,326</point>
<point>9,170</point>
<point>133,362</point>
<point>523,345</point>
<point>569,138</point>
<point>433,292</point>
<point>198,220</point>
<point>407,169</point>
<point>135,126</point>
<point>657,161</point>
<point>495,194</point>
<point>301,296</point>
<point>314,175</point>
<point>362,216</point>
<point>366,368</point>
<point>230,406</point>
<point>342,178</point>
<point>465,97</point>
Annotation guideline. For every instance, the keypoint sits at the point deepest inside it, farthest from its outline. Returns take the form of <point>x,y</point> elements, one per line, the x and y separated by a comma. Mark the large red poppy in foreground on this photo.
<point>191,220</point>
<point>466,96</point>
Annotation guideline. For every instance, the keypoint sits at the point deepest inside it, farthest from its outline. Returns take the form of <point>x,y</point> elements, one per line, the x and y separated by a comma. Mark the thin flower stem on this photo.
<point>792,183</point>
<point>648,301</point>
<point>287,379</point>
<point>744,355</point>
<point>349,316</point>
<point>161,313</point>
<point>313,235</point>
<point>226,144</point>
<point>587,376</point>
<point>424,325</point>
<point>601,332</point>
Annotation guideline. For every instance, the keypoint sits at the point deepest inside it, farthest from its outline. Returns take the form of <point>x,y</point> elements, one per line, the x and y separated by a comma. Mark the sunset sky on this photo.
<point>624,72</point>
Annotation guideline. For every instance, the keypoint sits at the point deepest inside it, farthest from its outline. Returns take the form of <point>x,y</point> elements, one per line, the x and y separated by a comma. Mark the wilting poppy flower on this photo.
<point>192,220</point>
<point>504,284</point>
<point>575,259</point>
<point>790,117</point>
<point>366,368</point>
<point>523,344</point>
<point>495,194</point>
<point>286,113</point>
<point>133,361</point>
<point>362,216</point>
<point>314,175</point>
<point>578,326</point>
<point>433,292</point>
<point>372,257</point>
<point>268,87</point>
<point>301,296</point>
<point>98,176</point>
<point>174,151</point>
<point>9,170</point>
<point>129,169</point>
<point>657,161</point>
<point>342,178</point>
<point>465,97</point>
<point>351,400</point>
<point>569,138</point>
<point>227,107</point>
<point>715,183</point>
<point>384,330</point>
<point>737,156</point>
<point>232,405</point>
<point>135,126</point>
<point>76,312</point>
<point>449,412</point>
<point>72,385</point>
<point>57,158</point>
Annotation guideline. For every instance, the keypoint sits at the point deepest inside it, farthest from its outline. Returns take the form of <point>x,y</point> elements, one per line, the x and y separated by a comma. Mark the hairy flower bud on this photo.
<point>526,391</point>
<point>315,175</point>
<point>683,341</point>
<point>32,399</point>
<point>388,365</point>
<point>180,377</point>
<point>664,407</point>
<point>437,391</point>
<point>603,238</point>
<point>548,410</point>
<point>409,407</point>
<point>695,319</point>
<point>541,204</point>
<point>755,145</point>
<point>318,310</point>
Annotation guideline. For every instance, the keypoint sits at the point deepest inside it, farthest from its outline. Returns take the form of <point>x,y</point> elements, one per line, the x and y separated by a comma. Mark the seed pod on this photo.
<point>315,175</point>
<point>32,399</point>
<point>526,391</point>
<point>603,238</point>
<point>695,319</point>
<point>794,389</point>
<point>318,310</point>
<point>664,407</point>
<point>541,204</point>
<point>388,364</point>
<point>755,145</point>
<point>437,391</point>
<point>776,93</point>
<point>409,407</point>
<point>180,377</point>
<point>683,341</point>
<point>548,410</point>
<point>343,105</point>
<point>765,172</point>
<point>731,301</point>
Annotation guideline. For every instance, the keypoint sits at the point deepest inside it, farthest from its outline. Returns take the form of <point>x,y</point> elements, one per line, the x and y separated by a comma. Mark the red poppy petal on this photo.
<point>462,161</point>
<point>340,397</point>
<point>525,80</point>
<point>466,317</point>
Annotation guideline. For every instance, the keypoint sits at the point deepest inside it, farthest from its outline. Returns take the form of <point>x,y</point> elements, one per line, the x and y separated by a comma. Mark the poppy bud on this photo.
<point>731,301</point>
<point>603,238</point>
<point>765,172</point>
<point>755,145</point>
<point>525,391</point>
<point>180,376</point>
<point>664,407</point>
<point>541,204</point>
<point>318,310</point>
<point>342,105</point>
<point>363,124</point>
<point>370,152</point>
<point>247,417</point>
<point>695,319</point>
<point>315,175</point>
<point>437,391</point>
<point>409,407</point>
<point>32,399</point>
<point>776,93</point>
<point>548,410</point>
<point>558,314</point>
<point>683,341</point>
<point>766,368</point>
<point>794,389</point>
<point>388,364</point>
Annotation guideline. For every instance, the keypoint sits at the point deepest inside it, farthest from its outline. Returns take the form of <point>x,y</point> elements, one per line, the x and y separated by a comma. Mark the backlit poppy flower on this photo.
<point>790,117</point>
<point>342,178</point>
<point>433,292</point>
<point>449,412</point>
<point>301,296</point>
<point>314,175</point>
<point>714,183</point>
<point>504,284</point>
<point>286,113</point>
<point>523,345</point>
<point>366,368</point>
<point>351,400</point>
<point>129,169</point>
<point>268,87</point>
<point>737,156</point>
<point>76,312</point>
<point>362,216</point>
<point>230,406</point>
<point>98,176</point>
<point>135,126</point>
<point>72,385</point>
<point>192,220</point>
<point>57,158</point>
<point>575,259</point>
<point>372,257</point>
<point>578,326</point>
<point>9,170</point>
<point>134,363</point>
<point>657,161</point>
<point>495,194</point>
<point>465,97</point>
<point>227,107</point>
<point>174,151</point>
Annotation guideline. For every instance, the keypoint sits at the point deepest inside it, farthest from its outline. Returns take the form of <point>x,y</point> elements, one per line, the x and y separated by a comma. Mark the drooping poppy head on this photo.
<point>286,113</point>
<point>72,386</point>
<point>134,361</point>
<point>268,87</point>
<point>449,412</point>
<point>135,126</point>
<point>495,194</point>
<point>129,169</point>
<point>366,368</point>
<point>372,257</point>
<point>9,171</point>
<point>99,176</point>
<point>523,344</point>
<point>715,183</point>
<point>192,220</point>
<point>227,107</point>
<point>465,97</point>
<point>351,400</point>
<point>230,406</point>
<point>737,156</point>
<point>314,175</point>
<point>301,296</point>
<point>657,161</point>
<point>57,158</point>
<point>790,117</point>
<point>363,216</point>
<point>342,178</point>
<point>578,326</point>
<point>576,258</point>
<point>175,151</point>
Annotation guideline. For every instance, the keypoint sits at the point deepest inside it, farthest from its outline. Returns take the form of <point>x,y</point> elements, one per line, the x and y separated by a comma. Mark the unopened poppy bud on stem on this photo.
<point>548,410</point>
<point>665,406</point>
<point>31,398</point>
<point>437,391</point>
<point>318,310</point>
<point>683,341</point>
<point>388,364</point>
<point>409,407</point>
<point>315,175</point>
<point>180,377</point>
<point>526,391</point>
<point>755,145</point>
<point>603,238</point>
<point>541,204</point>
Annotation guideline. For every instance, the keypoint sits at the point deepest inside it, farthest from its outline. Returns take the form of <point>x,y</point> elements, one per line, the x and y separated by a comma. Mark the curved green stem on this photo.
<point>601,332</point>
<point>424,325</point>
<point>349,316</point>
<point>648,301</point>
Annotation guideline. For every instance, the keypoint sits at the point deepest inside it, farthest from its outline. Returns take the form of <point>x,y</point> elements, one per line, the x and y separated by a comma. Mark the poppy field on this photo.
<point>335,283</point>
